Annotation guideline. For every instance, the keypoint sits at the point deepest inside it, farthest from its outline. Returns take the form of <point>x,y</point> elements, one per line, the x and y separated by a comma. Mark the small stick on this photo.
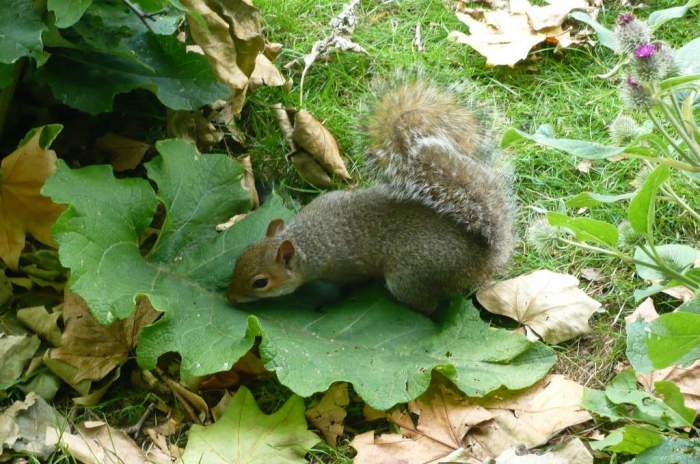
<point>417,40</point>
<point>135,429</point>
<point>138,13</point>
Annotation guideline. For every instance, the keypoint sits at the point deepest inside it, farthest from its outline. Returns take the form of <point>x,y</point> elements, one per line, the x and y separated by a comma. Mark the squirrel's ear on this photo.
<point>274,227</point>
<point>285,252</point>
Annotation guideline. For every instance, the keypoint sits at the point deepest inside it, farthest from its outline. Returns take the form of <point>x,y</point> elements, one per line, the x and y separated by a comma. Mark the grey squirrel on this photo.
<point>439,219</point>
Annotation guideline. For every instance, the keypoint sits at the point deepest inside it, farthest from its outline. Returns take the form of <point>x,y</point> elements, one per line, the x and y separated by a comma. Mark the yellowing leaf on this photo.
<point>93,349</point>
<point>315,139</point>
<point>243,434</point>
<point>22,207</point>
<point>506,35</point>
<point>42,322</point>
<point>548,303</point>
<point>329,413</point>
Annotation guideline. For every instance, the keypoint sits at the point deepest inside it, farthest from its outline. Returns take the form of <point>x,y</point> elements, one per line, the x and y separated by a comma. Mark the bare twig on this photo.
<point>135,429</point>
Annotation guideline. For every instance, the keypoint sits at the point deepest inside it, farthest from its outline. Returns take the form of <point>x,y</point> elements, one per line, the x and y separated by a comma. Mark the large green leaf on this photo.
<point>676,256</point>
<point>688,57</point>
<point>20,30</point>
<point>89,81</point>
<point>67,12</point>
<point>641,208</point>
<point>606,36</point>
<point>671,451</point>
<point>387,351</point>
<point>659,17</point>
<point>630,439</point>
<point>244,435</point>
<point>586,229</point>
<point>545,137</point>
<point>591,199</point>
<point>623,399</point>
<point>674,338</point>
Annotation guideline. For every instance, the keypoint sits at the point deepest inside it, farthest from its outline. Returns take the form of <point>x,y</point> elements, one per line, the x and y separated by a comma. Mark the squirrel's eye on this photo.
<point>260,282</point>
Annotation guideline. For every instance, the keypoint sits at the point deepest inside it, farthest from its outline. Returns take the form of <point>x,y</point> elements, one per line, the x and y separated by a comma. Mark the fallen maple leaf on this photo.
<point>243,434</point>
<point>22,207</point>
<point>92,349</point>
<point>686,378</point>
<point>505,35</point>
<point>549,303</point>
<point>329,413</point>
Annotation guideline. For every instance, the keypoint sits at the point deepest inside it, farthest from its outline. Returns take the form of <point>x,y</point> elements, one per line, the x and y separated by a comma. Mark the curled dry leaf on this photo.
<point>506,34</point>
<point>23,209</point>
<point>94,350</point>
<point>248,181</point>
<point>124,153</point>
<point>687,378</point>
<point>309,170</point>
<point>15,353</point>
<point>42,322</point>
<point>230,35</point>
<point>549,303</point>
<point>231,222</point>
<point>315,139</point>
<point>328,415</point>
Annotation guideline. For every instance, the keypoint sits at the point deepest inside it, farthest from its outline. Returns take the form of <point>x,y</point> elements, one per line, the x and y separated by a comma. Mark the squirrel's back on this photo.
<point>427,145</point>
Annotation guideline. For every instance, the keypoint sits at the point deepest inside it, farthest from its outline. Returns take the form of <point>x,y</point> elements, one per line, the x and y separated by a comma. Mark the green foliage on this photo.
<point>659,17</point>
<point>674,339</point>
<point>98,49</point>
<point>545,137</point>
<point>623,400</point>
<point>186,271</point>
<point>586,229</point>
<point>671,451</point>
<point>630,439</point>
<point>641,209</point>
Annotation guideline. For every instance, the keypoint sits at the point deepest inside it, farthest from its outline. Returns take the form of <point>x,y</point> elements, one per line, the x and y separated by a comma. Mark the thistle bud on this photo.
<point>631,32</point>
<point>653,61</point>
<point>624,130</point>
<point>634,94</point>
<point>542,236</point>
<point>627,236</point>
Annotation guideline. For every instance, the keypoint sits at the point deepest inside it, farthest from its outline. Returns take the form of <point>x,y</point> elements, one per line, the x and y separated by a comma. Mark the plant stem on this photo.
<point>667,161</point>
<point>668,136</point>
<point>668,190</point>
<point>666,270</point>
<point>681,130</point>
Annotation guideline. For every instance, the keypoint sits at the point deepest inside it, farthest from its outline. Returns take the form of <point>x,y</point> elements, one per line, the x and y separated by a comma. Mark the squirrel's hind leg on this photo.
<point>414,290</point>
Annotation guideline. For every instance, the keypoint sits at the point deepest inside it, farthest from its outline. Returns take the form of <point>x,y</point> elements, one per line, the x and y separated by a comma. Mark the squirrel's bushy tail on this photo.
<point>428,146</point>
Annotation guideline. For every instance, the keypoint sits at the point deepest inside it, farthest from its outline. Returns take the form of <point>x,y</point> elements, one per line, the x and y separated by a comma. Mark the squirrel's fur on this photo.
<point>440,218</point>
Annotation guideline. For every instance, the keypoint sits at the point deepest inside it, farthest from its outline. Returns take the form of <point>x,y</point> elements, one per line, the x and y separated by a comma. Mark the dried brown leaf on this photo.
<point>444,418</point>
<point>15,352</point>
<point>42,322</point>
<point>95,350</point>
<point>248,181</point>
<point>530,418</point>
<point>592,274</point>
<point>266,73</point>
<point>98,443</point>
<point>24,426</point>
<point>574,452</point>
<point>328,415</point>
<point>315,139</point>
<point>22,207</point>
<point>193,126</point>
<point>549,303</point>
<point>309,170</point>
<point>124,153</point>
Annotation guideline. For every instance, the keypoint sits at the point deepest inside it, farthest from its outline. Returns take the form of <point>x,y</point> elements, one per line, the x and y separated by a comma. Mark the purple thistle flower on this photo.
<point>646,50</point>
<point>634,94</point>
<point>625,19</point>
